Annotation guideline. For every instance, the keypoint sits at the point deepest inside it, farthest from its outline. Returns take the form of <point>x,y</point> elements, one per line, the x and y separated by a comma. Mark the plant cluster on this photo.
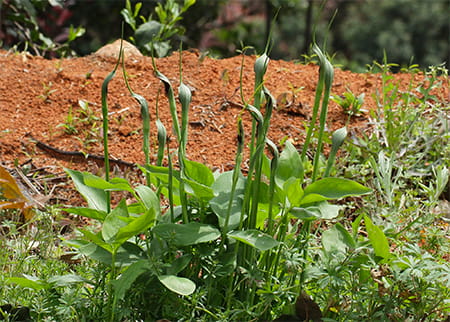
<point>35,24</point>
<point>292,238</point>
<point>154,36</point>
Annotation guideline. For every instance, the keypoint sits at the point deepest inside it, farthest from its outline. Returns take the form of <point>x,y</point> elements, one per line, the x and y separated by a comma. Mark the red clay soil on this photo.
<point>37,94</point>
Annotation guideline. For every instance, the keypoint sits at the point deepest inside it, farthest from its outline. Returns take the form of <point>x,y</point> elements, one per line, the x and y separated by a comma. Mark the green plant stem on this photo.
<point>145,123</point>
<point>328,80</point>
<point>106,125</point>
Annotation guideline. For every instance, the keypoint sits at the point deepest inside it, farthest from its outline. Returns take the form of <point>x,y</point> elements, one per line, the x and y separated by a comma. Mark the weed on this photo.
<point>47,91</point>
<point>69,125</point>
<point>350,103</point>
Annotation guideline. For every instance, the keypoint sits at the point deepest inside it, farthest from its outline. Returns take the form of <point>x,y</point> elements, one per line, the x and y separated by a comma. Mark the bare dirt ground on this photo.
<point>38,95</point>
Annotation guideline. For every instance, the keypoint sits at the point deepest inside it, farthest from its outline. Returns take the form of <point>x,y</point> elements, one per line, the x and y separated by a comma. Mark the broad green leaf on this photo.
<point>127,278</point>
<point>136,208</point>
<point>263,214</point>
<point>28,282</point>
<point>114,221</point>
<point>293,191</point>
<point>337,239</point>
<point>179,285</point>
<point>161,48</point>
<point>139,224</point>
<point>265,167</point>
<point>220,203</point>
<point>149,198</point>
<point>146,32</point>
<point>328,211</point>
<point>378,239</point>
<point>198,190</point>
<point>96,239</point>
<point>126,255</point>
<point>179,264</point>
<point>198,172</point>
<point>96,198</point>
<point>186,234</point>
<point>317,210</point>
<point>87,212</point>
<point>254,238</point>
<point>307,213</point>
<point>115,184</point>
<point>95,252</point>
<point>162,174</point>
<point>289,165</point>
<point>333,188</point>
<point>312,198</point>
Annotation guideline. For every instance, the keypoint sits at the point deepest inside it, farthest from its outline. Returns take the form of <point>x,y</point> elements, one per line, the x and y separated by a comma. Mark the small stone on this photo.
<point>112,50</point>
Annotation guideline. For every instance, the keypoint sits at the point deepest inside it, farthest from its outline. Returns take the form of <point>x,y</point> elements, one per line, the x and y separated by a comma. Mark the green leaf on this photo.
<point>149,198</point>
<point>333,188</point>
<point>186,234</point>
<point>289,165</point>
<point>179,264</point>
<point>317,210</point>
<point>92,250</point>
<point>179,285</point>
<point>292,188</point>
<point>115,184</point>
<point>198,172</point>
<point>220,203</point>
<point>337,239</point>
<point>161,48</point>
<point>307,213</point>
<point>127,278</point>
<point>146,32</point>
<point>87,212</point>
<point>139,224</point>
<point>254,238</point>
<point>114,221</point>
<point>378,239</point>
<point>198,190</point>
<point>31,282</point>
<point>96,239</point>
<point>312,198</point>
<point>96,198</point>
<point>126,255</point>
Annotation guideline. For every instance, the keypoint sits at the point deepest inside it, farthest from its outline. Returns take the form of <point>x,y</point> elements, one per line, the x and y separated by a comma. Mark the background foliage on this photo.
<point>359,33</point>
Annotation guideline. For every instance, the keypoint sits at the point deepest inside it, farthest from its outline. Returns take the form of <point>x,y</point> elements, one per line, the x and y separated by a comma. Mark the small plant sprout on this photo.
<point>69,125</point>
<point>47,91</point>
<point>350,103</point>
<point>87,115</point>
